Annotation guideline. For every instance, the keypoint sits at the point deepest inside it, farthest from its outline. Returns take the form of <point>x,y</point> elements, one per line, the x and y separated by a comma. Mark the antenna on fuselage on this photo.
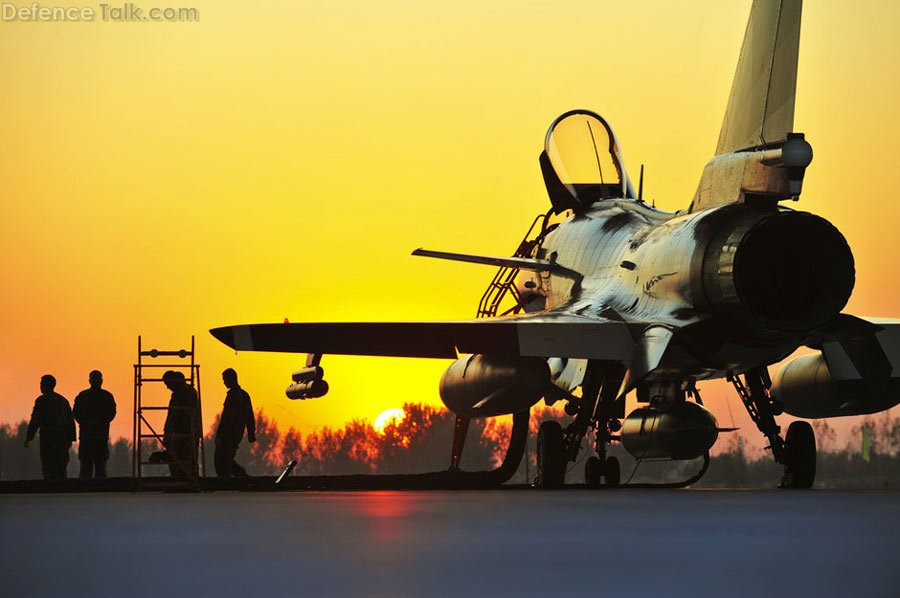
<point>641,185</point>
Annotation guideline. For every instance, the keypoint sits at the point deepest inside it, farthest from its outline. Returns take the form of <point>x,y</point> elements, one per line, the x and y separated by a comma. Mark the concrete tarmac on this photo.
<point>467,543</point>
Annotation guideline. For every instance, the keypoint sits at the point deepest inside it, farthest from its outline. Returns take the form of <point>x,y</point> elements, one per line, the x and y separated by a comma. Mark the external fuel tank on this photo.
<point>671,432</point>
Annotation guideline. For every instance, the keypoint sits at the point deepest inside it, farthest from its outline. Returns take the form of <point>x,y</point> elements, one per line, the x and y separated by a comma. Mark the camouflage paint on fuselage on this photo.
<point>644,266</point>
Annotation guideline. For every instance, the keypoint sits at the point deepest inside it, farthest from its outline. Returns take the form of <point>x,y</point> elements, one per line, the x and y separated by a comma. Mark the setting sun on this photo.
<point>387,415</point>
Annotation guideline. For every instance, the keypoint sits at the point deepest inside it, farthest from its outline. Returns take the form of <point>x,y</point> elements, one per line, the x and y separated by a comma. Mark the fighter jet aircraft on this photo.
<point>620,296</point>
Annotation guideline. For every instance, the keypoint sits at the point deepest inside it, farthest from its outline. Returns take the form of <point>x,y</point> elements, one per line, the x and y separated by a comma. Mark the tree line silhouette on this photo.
<point>421,441</point>
<point>418,442</point>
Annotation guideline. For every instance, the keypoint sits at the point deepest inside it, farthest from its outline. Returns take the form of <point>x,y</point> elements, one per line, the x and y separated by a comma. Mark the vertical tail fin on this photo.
<point>761,106</point>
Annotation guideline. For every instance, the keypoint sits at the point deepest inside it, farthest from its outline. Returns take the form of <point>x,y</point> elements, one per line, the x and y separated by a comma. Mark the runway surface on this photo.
<point>499,543</point>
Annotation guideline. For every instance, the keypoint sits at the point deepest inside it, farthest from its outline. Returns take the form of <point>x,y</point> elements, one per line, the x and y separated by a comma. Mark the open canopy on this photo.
<point>582,162</point>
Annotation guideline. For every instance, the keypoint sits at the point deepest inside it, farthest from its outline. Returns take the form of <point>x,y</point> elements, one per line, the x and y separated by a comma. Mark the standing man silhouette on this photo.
<point>237,415</point>
<point>94,409</point>
<point>52,416</point>
<point>181,432</point>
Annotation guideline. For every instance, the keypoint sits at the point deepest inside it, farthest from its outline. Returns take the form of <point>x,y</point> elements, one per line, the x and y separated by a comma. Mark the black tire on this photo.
<point>551,457</point>
<point>613,473</point>
<point>593,472</point>
<point>799,456</point>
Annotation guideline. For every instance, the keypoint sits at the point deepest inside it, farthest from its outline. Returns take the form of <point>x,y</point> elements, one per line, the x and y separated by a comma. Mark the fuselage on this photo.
<point>711,276</point>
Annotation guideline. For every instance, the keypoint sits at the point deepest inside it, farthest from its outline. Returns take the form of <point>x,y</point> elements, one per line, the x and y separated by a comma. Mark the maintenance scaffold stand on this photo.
<point>194,471</point>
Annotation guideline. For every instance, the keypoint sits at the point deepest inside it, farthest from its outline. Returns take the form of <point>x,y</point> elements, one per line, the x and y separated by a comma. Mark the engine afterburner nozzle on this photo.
<point>787,270</point>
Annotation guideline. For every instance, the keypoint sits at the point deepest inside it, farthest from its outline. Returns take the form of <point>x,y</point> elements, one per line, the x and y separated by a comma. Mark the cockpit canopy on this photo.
<point>582,162</point>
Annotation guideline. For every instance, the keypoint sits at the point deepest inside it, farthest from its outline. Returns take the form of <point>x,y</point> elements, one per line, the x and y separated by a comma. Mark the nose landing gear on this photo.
<point>598,409</point>
<point>599,473</point>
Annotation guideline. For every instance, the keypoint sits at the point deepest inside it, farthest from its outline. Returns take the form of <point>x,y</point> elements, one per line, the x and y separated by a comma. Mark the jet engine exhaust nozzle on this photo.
<point>790,270</point>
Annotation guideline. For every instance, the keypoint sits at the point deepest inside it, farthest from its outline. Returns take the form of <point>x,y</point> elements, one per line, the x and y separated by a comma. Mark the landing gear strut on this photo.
<point>597,408</point>
<point>797,451</point>
<point>460,429</point>
<point>599,473</point>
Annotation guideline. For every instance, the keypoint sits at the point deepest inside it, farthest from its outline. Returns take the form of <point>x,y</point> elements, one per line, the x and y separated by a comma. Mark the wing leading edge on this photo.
<point>528,336</point>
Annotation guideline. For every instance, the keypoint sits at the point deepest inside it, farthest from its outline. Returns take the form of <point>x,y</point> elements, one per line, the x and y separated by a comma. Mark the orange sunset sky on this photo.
<point>281,160</point>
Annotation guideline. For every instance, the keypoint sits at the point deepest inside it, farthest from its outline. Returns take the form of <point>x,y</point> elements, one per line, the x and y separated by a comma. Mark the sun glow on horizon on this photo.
<point>396,415</point>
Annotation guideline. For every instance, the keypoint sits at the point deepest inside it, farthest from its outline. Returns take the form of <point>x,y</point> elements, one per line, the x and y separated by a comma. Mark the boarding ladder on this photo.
<point>149,418</point>
<point>504,280</point>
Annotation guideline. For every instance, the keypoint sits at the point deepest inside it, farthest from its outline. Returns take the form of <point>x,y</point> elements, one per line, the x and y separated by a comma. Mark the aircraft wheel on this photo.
<point>551,455</point>
<point>799,456</point>
<point>613,472</point>
<point>593,472</point>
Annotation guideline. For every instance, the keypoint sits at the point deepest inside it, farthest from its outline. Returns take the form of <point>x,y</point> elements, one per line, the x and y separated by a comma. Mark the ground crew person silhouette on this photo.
<point>181,432</point>
<point>94,408</point>
<point>237,415</point>
<point>52,416</point>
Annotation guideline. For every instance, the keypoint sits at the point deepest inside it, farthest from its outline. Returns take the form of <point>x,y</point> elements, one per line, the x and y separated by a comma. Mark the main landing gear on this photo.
<point>797,451</point>
<point>551,455</point>
<point>799,456</point>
